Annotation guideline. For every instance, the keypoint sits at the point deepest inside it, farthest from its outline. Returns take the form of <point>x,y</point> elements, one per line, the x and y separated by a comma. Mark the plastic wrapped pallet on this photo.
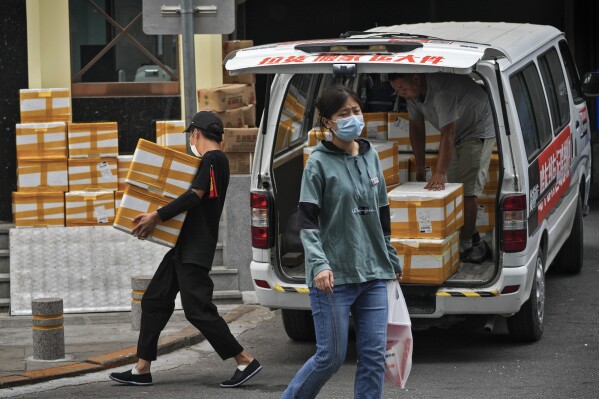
<point>123,162</point>
<point>430,165</point>
<point>420,213</point>
<point>490,189</point>
<point>45,105</point>
<point>93,140</point>
<point>171,134</point>
<point>37,140</point>
<point>375,125</point>
<point>398,129</point>
<point>42,175</point>
<point>89,208</point>
<point>38,209</point>
<point>93,174</point>
<point>137,201</point>
<point>428,261</point>
<point>162,170</point>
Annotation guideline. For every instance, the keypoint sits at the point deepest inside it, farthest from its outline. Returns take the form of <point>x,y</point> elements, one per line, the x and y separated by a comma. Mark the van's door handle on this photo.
<point>577,124</point>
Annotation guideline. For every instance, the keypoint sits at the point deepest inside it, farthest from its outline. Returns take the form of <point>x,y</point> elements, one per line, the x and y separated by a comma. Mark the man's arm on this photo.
<point>418,141</point>
<point>437,180</point>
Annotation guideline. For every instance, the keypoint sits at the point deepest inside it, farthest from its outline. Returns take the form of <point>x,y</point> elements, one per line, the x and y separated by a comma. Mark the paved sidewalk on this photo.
<point>93,341</point>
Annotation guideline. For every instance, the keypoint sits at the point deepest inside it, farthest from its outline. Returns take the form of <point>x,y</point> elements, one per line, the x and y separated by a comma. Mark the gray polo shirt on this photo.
<point>455,98</point>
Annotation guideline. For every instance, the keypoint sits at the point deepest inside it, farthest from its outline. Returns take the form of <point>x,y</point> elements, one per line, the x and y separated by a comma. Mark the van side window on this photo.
<point>532,109</point>
<point>555,89</point>
<point>291,123</point>
<point>571,71</point>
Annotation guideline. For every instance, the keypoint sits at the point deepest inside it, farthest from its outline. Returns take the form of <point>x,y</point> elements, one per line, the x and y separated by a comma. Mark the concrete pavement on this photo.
<point>93,342</point>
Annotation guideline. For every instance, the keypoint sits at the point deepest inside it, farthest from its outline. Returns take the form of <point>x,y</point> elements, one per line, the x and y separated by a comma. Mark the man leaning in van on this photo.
<point>459,108</point>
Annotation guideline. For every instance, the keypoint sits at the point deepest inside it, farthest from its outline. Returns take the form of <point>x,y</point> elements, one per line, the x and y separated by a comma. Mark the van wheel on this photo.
<point>570,257</point>
<point>298,324</point>
<point>527,324</point>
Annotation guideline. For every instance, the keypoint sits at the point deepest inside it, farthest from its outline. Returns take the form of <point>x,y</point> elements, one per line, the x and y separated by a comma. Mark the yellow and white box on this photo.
<point>36,140</point>
<point>93,174</point>
<point>42,175</point>
<point>398,129</point>
<point>89,208</point>
<point>403,161</point>
<point>45,105</point>
<point>490,189</point>
<point>428,261</point>
<point>387,151</point>
<point>485,217</point>
<point>420,213</point>
<point>171,134</point>
<point>162,170</point>
<point>137,201</point>
<point>38,209</point>
<point>315,136</point>
<point>430,165</point>
<point>93,140</point>
<point>123,162</point>
<point>118,197</point>
<point>375,125</point>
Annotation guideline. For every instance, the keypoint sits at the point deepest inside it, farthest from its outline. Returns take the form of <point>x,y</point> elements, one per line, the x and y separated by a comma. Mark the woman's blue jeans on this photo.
<point>368,305</point>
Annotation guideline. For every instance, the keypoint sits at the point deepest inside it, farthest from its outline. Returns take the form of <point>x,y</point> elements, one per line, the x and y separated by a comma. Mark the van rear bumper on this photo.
<point>448,301</point>
<point>281,295</point>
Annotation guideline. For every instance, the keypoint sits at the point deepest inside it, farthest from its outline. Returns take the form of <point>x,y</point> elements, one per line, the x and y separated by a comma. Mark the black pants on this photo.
<point>196,289</point>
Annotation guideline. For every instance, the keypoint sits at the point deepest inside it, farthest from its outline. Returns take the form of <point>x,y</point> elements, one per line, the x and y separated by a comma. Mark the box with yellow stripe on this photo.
<point>93,174</point>
<point>45,105</point>
<point>89,208</point>
<point>38,209</point>
<point>41,140</point>
<point>93,140</point>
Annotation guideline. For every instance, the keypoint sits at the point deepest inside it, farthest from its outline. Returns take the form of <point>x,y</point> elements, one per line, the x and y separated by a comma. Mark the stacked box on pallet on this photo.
<point>93,140</point>
<point>45,105</point>
<point>156,176</point>
<point>38,209</point>
<point>89,208</point>
<point>398,129</point>
<point>425,228</point>
<point>93,174</point>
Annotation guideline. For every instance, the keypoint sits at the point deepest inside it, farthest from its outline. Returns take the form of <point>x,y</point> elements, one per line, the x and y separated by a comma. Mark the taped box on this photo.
<point>392,186</point>
<point>38,209</point>
<point>428,261</point>
<point>221,98</point>
<point>490,189</point>
<point>118,197</point>
<point>37,140</point>
<point>430,165</point>
<point>89,208</point>
<point>398,129</point>
<point>161,170</point>
<point>403,162</point>
<point>93,140</point>
<point>314,137</point>
<point>249,94</point>
<point>93,174</point>
<point>171,134</point>
<point>249,115</point>
<point>240,163</point>
<point>123,162</point>
<point>420,213</point>
<point>485,217</point>
<point>42,175</point>
<point>233,45</point>
<point>45,105</point>
<point>240,140</point>
<point>387,151</point>
<point>375,124</point>
<point>232,118</point>
<point>137,201</point>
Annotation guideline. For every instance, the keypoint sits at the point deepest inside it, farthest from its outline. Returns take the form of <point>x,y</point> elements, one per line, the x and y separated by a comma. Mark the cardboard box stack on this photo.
<point>229,47</point>
<point>425,230</point>
<point>156,175</point>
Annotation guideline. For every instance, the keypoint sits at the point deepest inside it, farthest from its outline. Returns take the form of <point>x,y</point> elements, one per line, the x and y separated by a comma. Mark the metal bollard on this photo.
<point>48,328</point>
<point>139,284</point>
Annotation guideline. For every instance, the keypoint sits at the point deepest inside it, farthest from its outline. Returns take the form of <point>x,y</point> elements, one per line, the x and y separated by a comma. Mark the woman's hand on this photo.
<point>146,222</point>
<point>324,281</point>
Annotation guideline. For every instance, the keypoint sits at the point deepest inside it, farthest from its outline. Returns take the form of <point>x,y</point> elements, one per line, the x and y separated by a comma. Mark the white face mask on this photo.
<point>194,149</point>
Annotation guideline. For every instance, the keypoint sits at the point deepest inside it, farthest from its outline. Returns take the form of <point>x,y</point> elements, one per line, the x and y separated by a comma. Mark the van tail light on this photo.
<point>262,230</point>
<point>514,233</point>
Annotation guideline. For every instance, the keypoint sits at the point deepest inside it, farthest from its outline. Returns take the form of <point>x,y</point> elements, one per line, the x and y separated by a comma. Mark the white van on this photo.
<point>543,146</point>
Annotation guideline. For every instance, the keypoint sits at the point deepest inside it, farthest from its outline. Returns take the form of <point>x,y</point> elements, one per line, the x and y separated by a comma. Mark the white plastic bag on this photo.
<point>398,359</point>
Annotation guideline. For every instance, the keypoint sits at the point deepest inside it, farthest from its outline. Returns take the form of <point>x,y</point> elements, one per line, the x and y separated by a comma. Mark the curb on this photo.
<point>183,338</point>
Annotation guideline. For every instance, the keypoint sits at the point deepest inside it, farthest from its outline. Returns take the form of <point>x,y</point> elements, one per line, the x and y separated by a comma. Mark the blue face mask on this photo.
<point>350,127</point>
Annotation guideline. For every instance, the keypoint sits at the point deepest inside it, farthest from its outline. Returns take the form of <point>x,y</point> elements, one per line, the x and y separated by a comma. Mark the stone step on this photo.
<point>4,235</point>
<point>225,297</point>
<point>4,304</point>
<point>224,279</point>
<point>218,255</point>
<point>4,260</point>
<point>4,285</point>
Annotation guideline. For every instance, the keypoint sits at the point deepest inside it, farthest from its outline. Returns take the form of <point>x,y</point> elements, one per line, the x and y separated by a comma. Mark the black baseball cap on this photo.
<point>206,121</point>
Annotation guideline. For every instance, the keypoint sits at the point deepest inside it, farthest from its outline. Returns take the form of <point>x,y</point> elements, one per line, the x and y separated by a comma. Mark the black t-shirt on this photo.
<point>199,234</point>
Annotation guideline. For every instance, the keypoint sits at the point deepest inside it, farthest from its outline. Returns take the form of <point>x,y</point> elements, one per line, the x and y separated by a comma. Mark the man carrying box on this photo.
<point>459,108</point>
<point>185,267</point>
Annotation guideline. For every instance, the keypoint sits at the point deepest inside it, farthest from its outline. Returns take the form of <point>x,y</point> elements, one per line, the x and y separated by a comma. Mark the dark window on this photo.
<point>532,109</point>
<point>555,88</point>
<point>571,71</point>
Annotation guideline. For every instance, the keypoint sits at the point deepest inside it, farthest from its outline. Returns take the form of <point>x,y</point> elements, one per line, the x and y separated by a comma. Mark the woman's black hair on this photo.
<point>213,132</point>
<point>332,99</point>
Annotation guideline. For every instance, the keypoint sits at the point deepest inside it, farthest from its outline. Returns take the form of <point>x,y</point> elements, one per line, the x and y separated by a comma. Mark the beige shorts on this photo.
<point>470,165</point>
